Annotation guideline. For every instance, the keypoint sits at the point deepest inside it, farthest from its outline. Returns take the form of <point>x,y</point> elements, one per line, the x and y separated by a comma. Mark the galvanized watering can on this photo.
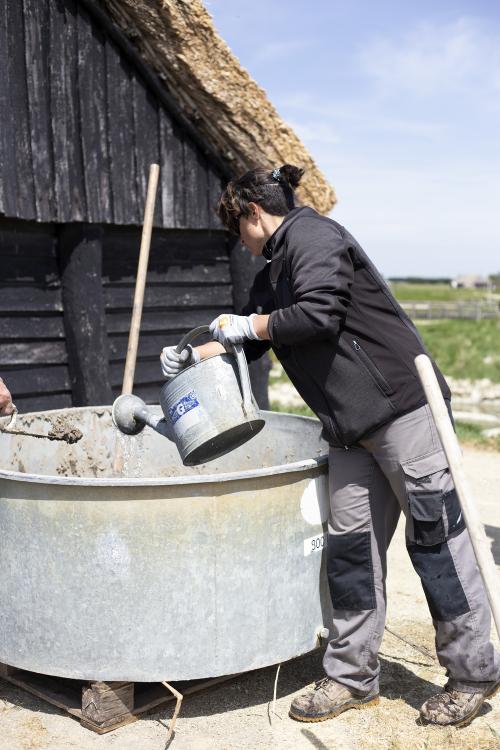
<point>208,407</point>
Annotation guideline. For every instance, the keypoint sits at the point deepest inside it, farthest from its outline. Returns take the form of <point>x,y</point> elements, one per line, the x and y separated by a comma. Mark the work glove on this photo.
<point>172,362</point>
<point>232,329</point>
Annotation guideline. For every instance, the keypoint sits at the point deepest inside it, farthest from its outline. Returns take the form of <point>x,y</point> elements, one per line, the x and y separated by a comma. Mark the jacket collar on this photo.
<point>274,240</point>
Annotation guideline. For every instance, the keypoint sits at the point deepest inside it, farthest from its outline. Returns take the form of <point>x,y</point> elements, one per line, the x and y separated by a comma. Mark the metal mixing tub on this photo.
<point>165,572</point>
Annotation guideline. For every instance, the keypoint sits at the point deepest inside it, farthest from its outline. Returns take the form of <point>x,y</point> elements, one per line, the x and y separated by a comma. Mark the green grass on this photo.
<point>464,348</point>
<point>470,434</point>
<point>435,293</point>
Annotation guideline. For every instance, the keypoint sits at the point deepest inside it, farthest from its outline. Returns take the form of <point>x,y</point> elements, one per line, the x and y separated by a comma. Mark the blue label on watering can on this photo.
<point>185,404</point>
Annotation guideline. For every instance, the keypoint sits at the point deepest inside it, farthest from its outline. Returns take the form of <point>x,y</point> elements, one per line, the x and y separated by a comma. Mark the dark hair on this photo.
<point>272,189</point>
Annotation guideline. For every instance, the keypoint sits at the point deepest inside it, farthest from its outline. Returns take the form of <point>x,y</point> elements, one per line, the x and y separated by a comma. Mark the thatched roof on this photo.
<point>178,39</point>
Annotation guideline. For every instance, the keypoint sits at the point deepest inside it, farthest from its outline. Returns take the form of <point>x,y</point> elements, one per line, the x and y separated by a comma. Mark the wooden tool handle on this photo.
<point>451,447</point>
<point>135,324</point>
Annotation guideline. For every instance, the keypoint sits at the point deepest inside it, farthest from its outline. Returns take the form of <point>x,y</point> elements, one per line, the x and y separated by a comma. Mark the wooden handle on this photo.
<point>142,269</point>
<point>449,440</point>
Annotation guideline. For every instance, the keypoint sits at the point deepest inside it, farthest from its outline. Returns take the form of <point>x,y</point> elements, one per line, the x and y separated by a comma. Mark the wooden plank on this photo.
<point>25,270</point>
<point>8,176</point>
<point>23,298</point>
<point>23,326</point>
<point>165,296</point>
<point>150,344</point>
<point>63,693</point>
<point>179,179</point>
<point>146,372</point>
<point>177,245</point>
<point>29,381</point>
<point>121,137</point>
<point>167,181</point>
<point>19,158</point>
<point>93,111</point>
<point>67,151</point>
<point>84,319</point>
<point>27,239</point>
<point>42,401</point>
<point>214,193</point>
<point>195,186</point>
<point>36,33</point>
<point>124,272</point>
<point>33,353</point>
<point>147,149</point>
<point>148,393</point>
<point>107,704</point>
<point>178,321</point>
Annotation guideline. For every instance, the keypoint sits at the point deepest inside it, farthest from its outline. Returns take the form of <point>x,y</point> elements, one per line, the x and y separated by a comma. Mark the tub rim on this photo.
<point>186,479</point>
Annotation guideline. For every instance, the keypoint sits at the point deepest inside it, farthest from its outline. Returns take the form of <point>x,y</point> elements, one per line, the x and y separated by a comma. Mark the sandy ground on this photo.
<point>238,715</point>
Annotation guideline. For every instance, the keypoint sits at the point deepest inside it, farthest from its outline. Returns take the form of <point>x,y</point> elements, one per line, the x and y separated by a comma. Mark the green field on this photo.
<point>464,348</point>
<point>435,293</point>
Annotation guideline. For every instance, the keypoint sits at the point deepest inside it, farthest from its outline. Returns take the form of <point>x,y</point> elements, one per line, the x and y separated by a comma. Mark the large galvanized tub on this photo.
<point>164,572</point>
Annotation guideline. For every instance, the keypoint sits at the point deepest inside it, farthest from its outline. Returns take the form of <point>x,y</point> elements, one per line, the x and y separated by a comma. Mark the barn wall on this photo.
<point>33,356</point>
<point>87,127</point>
<point>188,284</point>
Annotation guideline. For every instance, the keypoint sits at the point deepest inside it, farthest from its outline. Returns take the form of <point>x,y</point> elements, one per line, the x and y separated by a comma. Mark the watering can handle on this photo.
<point>240,359</point>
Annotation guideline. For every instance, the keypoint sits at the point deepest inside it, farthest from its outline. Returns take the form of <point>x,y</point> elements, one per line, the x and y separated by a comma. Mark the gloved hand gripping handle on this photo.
<point>241,361</point>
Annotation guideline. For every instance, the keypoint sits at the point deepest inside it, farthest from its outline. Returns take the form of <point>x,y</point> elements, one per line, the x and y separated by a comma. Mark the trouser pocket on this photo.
<point>432,501</point>
<point>434,514</point>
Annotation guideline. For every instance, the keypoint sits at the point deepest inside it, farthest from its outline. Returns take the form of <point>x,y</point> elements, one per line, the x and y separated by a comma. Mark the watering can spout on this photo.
<point>130,415</point>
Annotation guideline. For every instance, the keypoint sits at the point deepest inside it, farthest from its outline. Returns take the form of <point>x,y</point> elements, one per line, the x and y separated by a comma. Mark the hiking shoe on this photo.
<point>328,699</point>
<point>455,708</point>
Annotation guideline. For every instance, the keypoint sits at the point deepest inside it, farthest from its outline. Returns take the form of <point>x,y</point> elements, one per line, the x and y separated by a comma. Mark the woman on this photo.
<point>349,349</point>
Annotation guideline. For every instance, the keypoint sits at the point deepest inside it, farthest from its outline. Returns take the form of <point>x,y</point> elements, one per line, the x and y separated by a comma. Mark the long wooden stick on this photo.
<point>451,447</point>
<point>135,324</point>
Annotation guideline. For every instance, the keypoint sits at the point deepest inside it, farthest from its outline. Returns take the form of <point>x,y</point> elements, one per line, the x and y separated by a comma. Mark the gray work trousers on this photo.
<point>402,467</point>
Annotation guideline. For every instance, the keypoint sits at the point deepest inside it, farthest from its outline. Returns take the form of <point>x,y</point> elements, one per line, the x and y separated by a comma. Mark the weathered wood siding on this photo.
<point>188,284</point>
<point>87,126</point>
<point>33,358</point>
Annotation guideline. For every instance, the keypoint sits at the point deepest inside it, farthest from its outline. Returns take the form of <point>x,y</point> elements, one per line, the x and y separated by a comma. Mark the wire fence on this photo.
<point>464,310</point>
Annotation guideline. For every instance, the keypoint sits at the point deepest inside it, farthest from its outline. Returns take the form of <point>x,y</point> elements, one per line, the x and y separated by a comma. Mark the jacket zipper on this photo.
<point>372,368</point>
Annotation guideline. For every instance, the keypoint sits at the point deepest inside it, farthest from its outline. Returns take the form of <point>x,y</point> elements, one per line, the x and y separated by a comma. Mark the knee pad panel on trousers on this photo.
<point>350,571</point>
<point>442,587</point>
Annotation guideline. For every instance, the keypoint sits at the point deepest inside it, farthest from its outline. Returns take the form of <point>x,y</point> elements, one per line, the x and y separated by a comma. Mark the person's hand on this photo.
<point>232,329</point>
<point>172,362</point>
<point>6,405</point>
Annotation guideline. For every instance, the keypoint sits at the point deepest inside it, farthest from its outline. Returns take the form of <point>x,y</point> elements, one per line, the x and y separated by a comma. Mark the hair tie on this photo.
<point>276,174</point>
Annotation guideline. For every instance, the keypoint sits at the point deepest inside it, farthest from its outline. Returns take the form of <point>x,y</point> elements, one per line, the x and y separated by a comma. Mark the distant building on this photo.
<point>470,281</point>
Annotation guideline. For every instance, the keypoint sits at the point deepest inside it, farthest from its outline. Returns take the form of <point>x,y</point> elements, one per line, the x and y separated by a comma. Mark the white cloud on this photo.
<point>435,59</point>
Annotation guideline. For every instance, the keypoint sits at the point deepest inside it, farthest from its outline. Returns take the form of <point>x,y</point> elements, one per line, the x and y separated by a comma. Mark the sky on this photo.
<point>399,105</point>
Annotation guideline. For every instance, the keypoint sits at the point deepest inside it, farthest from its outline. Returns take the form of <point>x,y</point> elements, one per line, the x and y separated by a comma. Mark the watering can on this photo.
<point>208,407</point>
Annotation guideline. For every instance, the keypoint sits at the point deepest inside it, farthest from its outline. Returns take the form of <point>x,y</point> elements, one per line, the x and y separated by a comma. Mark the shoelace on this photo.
<point>321,683</point>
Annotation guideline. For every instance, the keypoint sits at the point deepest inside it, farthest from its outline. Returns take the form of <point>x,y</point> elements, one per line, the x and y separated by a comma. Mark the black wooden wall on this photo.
<point>81,120</point>
<point>188,284</point>
<point>33,356</point>
<point>79,127</point>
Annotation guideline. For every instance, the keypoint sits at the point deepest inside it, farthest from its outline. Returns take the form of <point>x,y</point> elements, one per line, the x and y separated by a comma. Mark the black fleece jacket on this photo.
<point>342,338</point>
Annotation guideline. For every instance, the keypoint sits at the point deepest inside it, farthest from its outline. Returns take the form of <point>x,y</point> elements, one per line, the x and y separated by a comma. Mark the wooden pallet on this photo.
<point>101,706</point>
